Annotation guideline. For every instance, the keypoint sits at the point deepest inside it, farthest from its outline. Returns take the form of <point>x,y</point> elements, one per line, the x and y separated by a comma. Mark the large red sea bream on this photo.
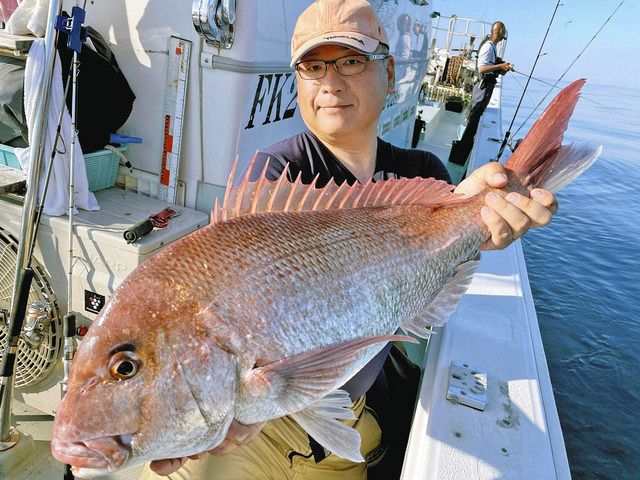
<point>282,299</point>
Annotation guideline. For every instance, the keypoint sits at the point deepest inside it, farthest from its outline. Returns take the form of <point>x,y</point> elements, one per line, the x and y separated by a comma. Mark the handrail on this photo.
<point>466,31</point>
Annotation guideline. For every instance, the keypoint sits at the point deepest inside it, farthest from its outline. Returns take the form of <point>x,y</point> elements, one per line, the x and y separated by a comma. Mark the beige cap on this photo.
<point>351,23</point>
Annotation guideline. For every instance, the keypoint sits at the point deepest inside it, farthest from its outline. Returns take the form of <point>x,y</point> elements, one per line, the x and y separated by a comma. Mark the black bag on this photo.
<point>418,128</point>
<point>105,99</point>
<point>460,151</point>
<point>454,104</point>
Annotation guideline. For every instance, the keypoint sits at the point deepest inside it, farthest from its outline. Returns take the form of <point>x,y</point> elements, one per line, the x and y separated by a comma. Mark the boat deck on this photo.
<point>40,464</point>
<point>494,331</point>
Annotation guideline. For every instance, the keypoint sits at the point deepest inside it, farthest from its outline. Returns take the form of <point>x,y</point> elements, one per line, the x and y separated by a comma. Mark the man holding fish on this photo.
<point>344,72</point>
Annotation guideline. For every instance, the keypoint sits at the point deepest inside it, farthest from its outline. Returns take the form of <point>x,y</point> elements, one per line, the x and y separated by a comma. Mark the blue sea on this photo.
<point>585,277</point>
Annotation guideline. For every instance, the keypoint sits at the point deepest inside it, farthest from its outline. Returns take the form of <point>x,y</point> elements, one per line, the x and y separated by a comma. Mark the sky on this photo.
<point>611,59</point>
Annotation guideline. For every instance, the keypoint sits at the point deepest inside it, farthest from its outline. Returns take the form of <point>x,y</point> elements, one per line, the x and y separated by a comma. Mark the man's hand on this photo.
<point>237,436</point>
<point>505,67</point>
<point>510,217</point>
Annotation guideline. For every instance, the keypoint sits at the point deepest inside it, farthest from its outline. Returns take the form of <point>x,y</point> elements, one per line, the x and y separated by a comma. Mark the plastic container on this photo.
<point>102,166</point>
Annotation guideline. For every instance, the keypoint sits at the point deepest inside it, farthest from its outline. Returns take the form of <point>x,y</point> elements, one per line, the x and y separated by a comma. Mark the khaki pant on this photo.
<point>281,452</point>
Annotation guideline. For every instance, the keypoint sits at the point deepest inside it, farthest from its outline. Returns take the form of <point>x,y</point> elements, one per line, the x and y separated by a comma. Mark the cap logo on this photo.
<point>333,37</point>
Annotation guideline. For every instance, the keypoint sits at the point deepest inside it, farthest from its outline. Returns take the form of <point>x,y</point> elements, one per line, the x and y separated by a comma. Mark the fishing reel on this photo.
<point>511,66</point>
<point>37,323</point>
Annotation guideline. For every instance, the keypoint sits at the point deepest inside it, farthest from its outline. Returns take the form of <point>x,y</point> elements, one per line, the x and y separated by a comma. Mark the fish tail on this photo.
<point>541,161</point>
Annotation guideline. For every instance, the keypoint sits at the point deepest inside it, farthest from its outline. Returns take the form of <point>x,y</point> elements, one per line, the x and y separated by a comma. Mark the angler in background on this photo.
<point>488,67</point>
<point>340,52</point>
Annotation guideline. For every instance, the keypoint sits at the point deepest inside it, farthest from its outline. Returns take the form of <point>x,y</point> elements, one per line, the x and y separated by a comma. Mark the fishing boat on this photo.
<point>213,82</point>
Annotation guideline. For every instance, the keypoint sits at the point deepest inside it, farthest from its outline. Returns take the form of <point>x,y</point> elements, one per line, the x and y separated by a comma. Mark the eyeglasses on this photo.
<point>345,66</point>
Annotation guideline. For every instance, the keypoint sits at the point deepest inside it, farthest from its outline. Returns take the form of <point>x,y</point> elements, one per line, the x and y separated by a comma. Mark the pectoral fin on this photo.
<point>445,303</point>
<point>299,380</point>
<point>321,421</point>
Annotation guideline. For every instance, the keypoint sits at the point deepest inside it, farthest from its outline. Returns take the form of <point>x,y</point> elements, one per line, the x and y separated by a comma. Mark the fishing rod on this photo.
<point>569,67</point>
<point>523,89</point>
<point>31,217</point>
<point>506,135</point>
<point>24,272</point>
<point>76,36</point>
<point>556,87</point>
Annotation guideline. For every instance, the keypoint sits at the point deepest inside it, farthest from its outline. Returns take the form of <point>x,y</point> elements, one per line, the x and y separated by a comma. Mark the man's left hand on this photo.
<point>510,217</point>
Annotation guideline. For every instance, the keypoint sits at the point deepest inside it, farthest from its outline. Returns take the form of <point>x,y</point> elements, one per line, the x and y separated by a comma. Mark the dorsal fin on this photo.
<point>261,196</point>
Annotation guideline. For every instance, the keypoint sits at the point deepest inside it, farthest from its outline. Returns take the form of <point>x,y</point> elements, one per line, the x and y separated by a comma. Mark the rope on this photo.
<point>121,156</point>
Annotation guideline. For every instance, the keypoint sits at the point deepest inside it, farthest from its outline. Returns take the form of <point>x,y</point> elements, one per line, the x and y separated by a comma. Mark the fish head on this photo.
<point>146,384</point>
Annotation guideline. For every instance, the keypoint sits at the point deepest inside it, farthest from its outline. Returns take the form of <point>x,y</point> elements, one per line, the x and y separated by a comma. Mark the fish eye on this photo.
<point>124,365</point>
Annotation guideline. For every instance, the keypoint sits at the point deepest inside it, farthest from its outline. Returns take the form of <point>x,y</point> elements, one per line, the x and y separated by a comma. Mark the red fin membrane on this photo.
<point>541,158</point>
<point>264,195</point>
<point>545,137</point>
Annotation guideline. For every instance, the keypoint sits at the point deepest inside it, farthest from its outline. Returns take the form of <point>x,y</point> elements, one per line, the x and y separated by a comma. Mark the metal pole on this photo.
<point>69,339</point>
<point>22,277</point>
<point>70,318</point>
<point>74,87</point>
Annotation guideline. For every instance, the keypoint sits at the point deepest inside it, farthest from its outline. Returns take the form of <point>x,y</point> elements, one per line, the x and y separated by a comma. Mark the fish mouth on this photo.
<point>103,453</point>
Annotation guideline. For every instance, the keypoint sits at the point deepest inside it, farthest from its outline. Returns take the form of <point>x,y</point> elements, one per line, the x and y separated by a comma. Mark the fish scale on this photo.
<point>336,253</point>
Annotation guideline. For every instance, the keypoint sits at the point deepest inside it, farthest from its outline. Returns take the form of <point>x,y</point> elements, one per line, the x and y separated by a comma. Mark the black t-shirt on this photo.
<point>307,154</point>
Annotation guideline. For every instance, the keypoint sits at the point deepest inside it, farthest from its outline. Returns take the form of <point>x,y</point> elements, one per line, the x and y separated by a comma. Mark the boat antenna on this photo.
<point>506,135</point>
<point>568,68</point>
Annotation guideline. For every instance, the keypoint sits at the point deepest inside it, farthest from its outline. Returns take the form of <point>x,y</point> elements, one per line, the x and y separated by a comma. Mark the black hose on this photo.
<point>139,230</point>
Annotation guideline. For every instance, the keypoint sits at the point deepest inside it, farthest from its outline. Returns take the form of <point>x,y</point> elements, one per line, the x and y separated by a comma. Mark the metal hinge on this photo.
<point>215,21</point>
<point>467,386</point>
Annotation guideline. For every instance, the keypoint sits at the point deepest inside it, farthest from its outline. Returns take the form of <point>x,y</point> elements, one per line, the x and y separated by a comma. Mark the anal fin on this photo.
<point>445,303</point>
<point>321,420</point>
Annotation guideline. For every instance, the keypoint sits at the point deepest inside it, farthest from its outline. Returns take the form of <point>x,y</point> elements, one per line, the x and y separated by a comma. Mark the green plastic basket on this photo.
<point>102,166</point>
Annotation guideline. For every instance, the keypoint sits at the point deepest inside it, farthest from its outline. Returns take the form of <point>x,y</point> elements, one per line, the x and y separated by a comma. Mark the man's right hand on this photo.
<point>504,67</point>
<point>237,436</point>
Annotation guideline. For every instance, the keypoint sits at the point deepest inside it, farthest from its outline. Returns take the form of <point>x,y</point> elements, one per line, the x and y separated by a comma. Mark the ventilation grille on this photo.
<point>33,364</point>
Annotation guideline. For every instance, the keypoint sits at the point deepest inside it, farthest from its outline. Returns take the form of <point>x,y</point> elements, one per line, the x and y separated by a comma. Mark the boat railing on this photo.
<point>457,27</point>
<point>451,67</point>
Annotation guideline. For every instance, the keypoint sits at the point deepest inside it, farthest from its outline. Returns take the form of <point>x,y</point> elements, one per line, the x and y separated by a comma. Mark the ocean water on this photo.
<point>585,277</point>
